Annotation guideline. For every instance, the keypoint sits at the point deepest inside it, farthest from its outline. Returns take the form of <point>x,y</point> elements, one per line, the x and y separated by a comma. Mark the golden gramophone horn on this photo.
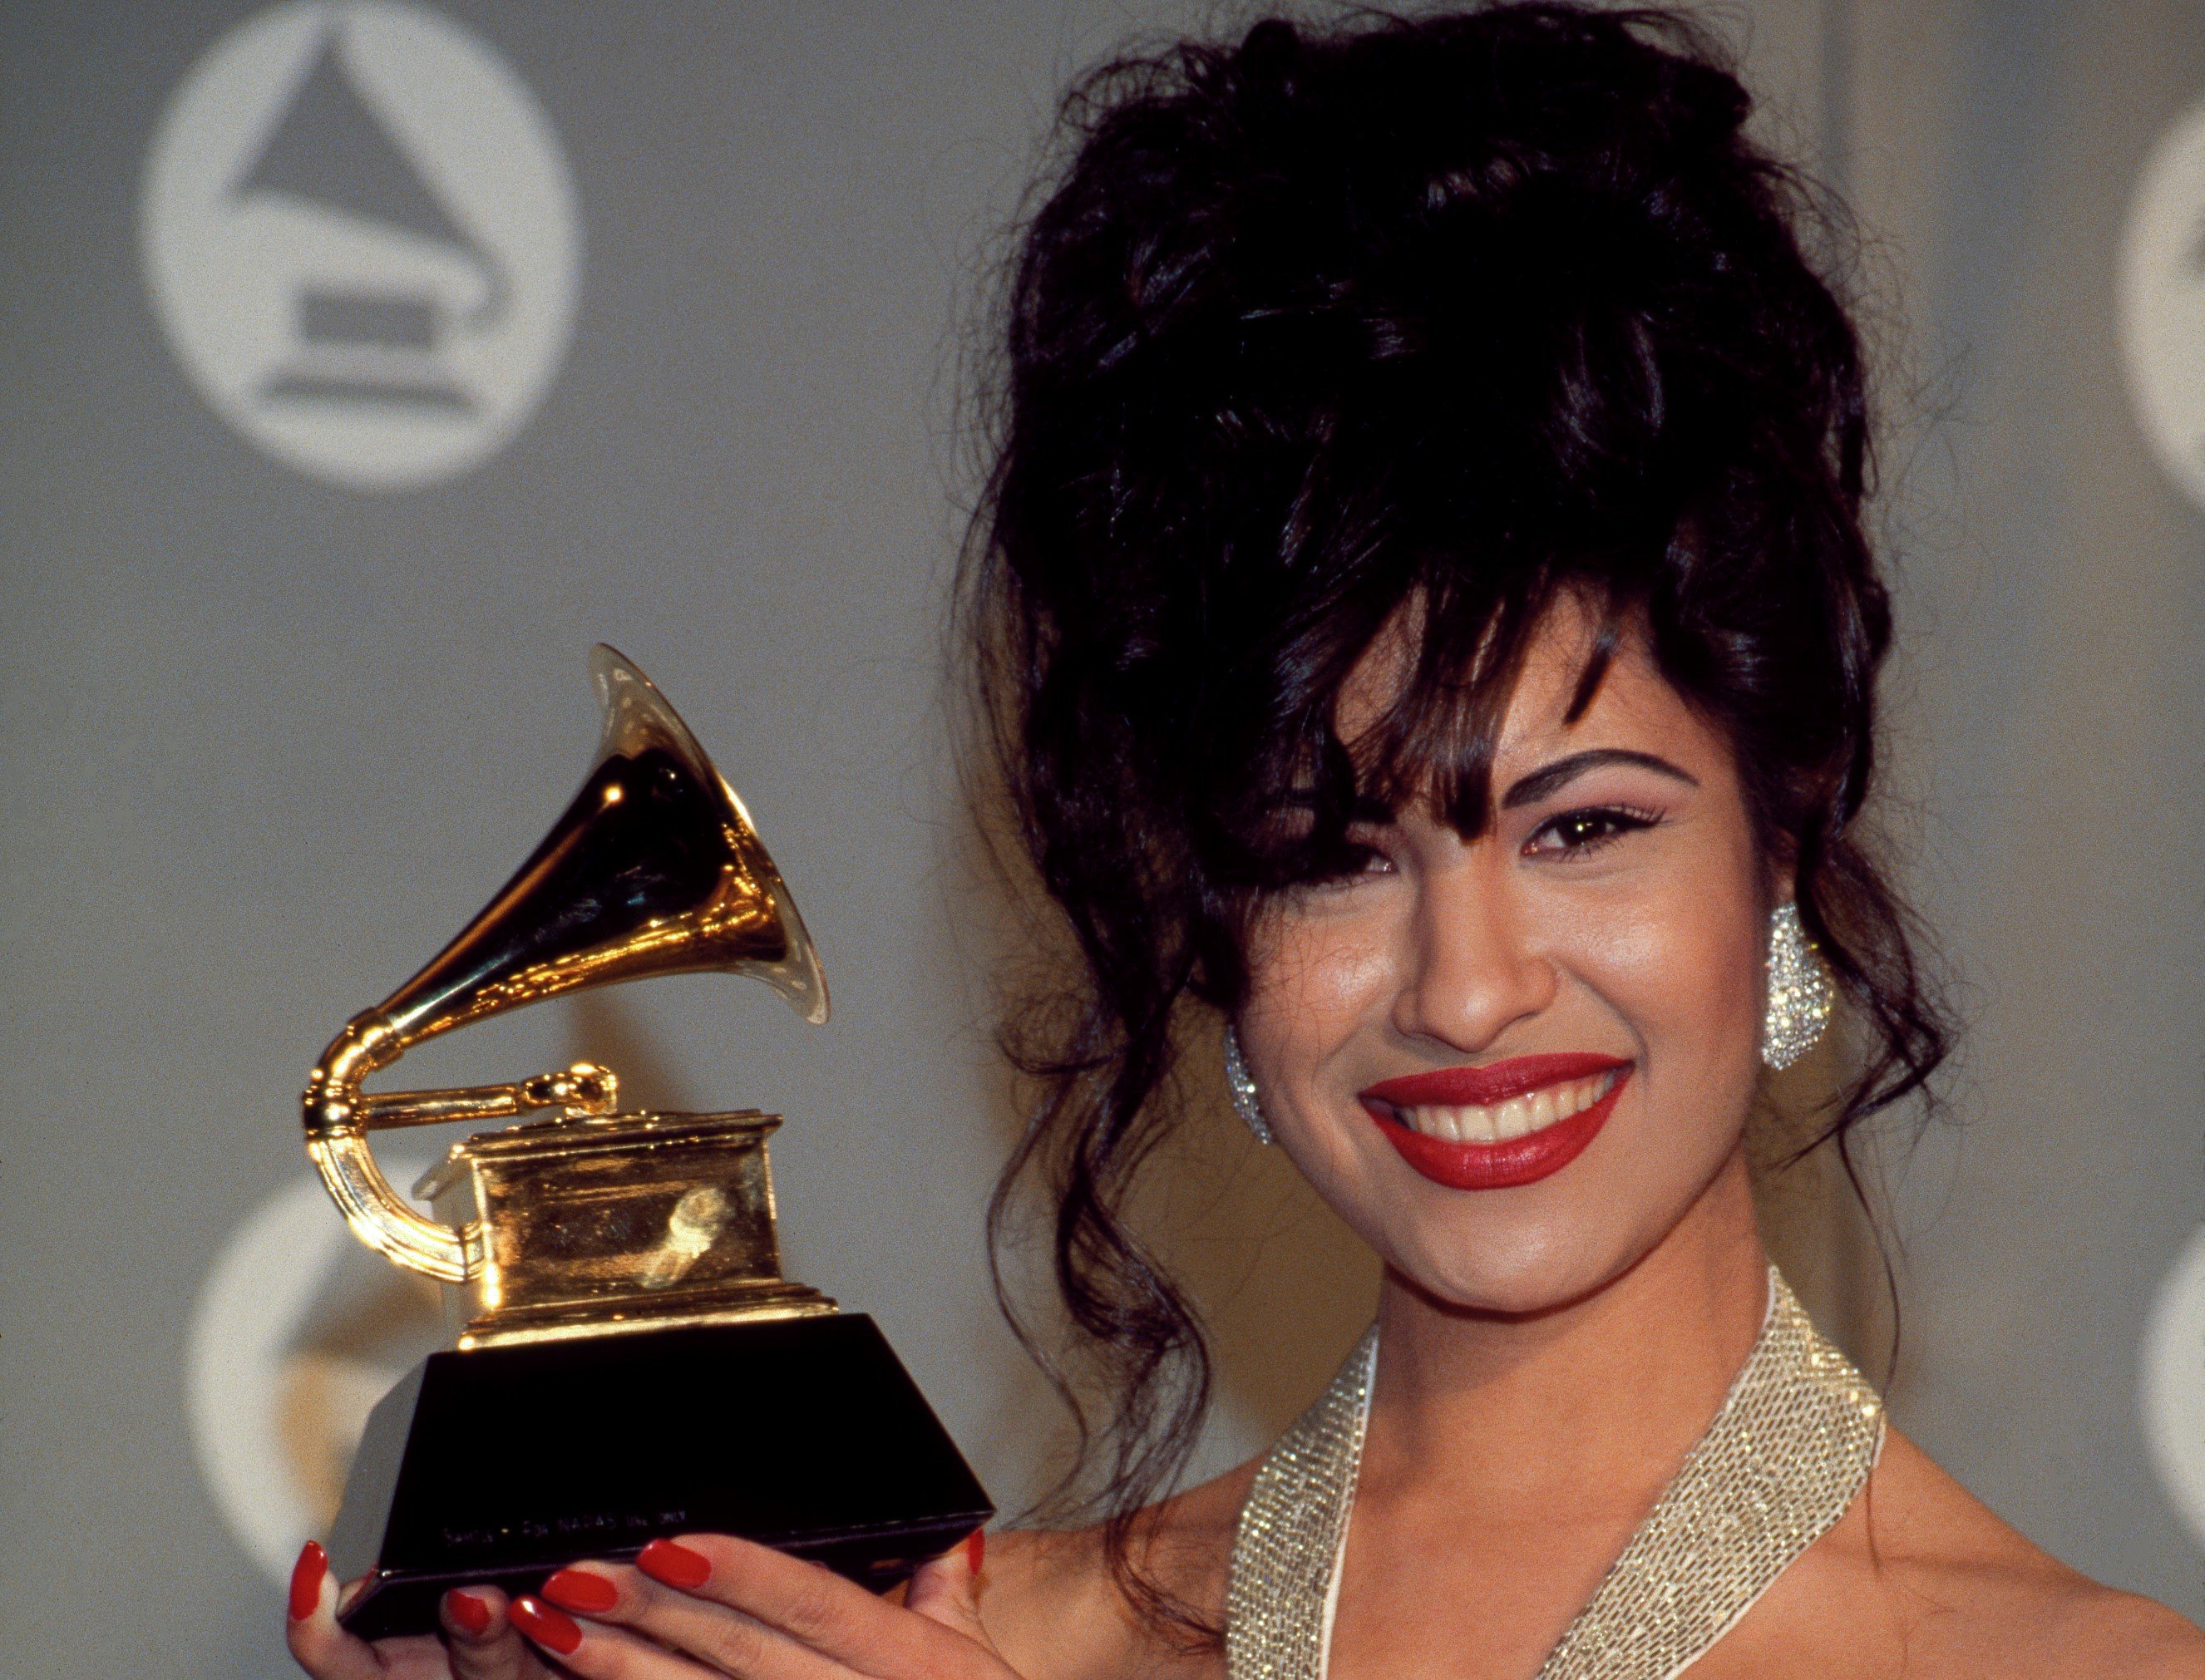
<point>655,868</point>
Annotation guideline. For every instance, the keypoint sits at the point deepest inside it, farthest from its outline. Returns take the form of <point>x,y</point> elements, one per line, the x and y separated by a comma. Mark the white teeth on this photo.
<point>1517,1117</point>
<point>1512,1120</point>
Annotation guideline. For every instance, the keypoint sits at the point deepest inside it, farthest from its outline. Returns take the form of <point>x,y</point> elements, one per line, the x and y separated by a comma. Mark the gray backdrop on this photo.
<point>271,738</point>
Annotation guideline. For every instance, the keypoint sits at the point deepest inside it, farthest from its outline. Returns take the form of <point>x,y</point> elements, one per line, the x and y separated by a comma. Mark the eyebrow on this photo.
<point>1546,780</point>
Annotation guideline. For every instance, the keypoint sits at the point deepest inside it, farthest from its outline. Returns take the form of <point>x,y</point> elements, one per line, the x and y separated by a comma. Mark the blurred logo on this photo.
<point>2162,301</point>
<point>2173,1385</point>
<point>361,240</point>
<point>298,1331</point>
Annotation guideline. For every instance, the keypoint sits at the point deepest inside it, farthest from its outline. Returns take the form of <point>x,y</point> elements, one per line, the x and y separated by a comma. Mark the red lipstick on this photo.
<point>1516,1160</point>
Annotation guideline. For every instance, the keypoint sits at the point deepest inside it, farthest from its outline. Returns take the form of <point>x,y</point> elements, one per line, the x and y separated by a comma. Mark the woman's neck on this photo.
<point>1587,1408</point>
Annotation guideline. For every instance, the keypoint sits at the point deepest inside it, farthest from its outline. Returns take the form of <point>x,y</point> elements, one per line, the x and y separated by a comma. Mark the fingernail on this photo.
<point>471,1614</point>
<point>675,1565</point>
<point>554,1630</point>
<point>579,1590</point>
<point>306,1580</point>
<point>975,1548</point>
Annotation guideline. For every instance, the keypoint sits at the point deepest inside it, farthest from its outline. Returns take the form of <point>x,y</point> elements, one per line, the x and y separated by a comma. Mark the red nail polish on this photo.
<point>675,1565</point>
<point>306,1580</point>
<point>975,1548</point>
<point>554,1630</point>
<point>579,1590</point>
<point>471,1614</point>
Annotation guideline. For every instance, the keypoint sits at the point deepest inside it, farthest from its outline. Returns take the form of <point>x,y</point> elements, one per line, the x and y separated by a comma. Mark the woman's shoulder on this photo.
<point>1058,1611</point>
<point>1920,1577</point>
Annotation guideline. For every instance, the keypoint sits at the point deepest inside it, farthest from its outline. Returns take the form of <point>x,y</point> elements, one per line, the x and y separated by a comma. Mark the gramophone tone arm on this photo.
<point>336,1142</point>
<point>380,1219</point>
<point>338,1116</point>
<point>584,1089</point>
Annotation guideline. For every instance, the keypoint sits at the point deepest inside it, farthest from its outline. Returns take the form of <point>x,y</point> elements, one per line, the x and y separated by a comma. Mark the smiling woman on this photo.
<point>1424,613</point>
<point>1592,951</point>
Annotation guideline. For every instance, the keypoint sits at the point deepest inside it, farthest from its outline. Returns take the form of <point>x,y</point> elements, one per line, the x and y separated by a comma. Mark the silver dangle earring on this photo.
<point>1801,993</point>
<point>1242,1084</point>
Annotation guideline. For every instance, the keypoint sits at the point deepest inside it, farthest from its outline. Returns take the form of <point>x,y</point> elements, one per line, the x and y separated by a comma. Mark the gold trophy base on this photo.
<point>618,1223</point>
<point>708,1306</point>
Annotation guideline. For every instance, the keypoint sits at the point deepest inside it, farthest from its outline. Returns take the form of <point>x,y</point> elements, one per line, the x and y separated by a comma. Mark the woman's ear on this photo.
<point>1779,869</point>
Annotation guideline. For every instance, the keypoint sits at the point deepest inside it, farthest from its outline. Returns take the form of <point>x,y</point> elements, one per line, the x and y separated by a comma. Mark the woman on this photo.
<point>1423,601</point>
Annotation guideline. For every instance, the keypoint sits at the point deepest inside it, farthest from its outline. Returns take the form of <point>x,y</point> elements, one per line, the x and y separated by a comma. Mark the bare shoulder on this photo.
<point>1922,1577</point>
<point>1057,1611</point>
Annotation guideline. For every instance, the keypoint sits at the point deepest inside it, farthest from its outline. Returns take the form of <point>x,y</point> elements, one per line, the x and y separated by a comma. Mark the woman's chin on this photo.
<point>1518,1280</point>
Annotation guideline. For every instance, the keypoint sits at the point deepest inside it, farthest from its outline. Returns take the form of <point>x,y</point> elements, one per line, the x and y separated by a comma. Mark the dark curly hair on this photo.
<point>1459,311</point>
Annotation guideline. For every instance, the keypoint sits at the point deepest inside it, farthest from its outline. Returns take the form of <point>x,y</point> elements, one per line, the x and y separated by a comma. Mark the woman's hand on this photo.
<point>711,1605</point>
<point>479,1642</point>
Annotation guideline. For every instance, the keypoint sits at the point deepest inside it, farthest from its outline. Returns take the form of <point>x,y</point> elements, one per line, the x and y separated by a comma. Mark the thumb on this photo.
<point>480,1642</point>
<point>322,1648</point>
<point>947,1590</point>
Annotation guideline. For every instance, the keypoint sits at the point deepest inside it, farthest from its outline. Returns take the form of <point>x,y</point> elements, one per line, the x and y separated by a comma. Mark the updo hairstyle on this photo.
<point>1465,310</point>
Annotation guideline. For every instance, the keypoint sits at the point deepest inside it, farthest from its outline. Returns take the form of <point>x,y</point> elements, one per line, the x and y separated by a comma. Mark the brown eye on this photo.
<point>1348,863</point>
<point>1574,832</point>
<point>1353,860</point>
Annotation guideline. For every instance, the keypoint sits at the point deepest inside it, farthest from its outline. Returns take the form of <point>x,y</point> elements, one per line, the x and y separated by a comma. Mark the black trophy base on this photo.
<point>503,1464</point>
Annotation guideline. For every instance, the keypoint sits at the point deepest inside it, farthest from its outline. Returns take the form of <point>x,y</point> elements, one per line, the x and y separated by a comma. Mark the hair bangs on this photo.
<point>1410,714</point>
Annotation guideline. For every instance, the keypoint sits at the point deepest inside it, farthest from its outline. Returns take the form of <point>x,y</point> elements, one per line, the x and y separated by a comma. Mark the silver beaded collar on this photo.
<point>1793,1443</point>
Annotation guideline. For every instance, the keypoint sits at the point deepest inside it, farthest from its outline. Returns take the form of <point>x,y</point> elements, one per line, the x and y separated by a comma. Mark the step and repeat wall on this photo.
<point>364,362</point>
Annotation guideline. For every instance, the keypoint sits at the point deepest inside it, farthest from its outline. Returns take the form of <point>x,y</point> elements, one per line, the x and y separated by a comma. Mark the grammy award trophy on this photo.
<point>630,1364</point>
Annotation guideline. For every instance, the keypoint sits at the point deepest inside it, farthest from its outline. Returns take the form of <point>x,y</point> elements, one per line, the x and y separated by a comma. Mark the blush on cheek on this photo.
<point>1679,968</point>
<point>1314,983</point>
<point>1689,961</point>
<point>1325,948</point>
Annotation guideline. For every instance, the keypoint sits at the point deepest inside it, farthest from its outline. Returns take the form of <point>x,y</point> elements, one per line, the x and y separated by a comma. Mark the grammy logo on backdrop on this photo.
<point>358,338</point>
<point>632,1363</point>
<point>362,240</point>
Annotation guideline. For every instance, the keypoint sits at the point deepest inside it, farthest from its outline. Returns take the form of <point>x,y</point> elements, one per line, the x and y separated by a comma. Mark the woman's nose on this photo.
<point>1471,971</point>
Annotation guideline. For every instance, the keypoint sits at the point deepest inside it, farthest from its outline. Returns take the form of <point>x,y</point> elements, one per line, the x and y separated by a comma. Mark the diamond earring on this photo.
<point>1801,993</point>
<point>1242,1084</point>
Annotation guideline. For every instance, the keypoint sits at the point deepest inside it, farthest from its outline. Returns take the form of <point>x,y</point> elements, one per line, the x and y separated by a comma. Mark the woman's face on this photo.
<point>1513,1063</point>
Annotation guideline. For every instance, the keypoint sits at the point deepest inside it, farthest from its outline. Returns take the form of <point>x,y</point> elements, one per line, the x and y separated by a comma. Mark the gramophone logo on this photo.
<point>360,238</point>
<point>297,1333</point>
<point>2162,323</point>
<point>2162,301</point>
<point>2173,1383</point>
